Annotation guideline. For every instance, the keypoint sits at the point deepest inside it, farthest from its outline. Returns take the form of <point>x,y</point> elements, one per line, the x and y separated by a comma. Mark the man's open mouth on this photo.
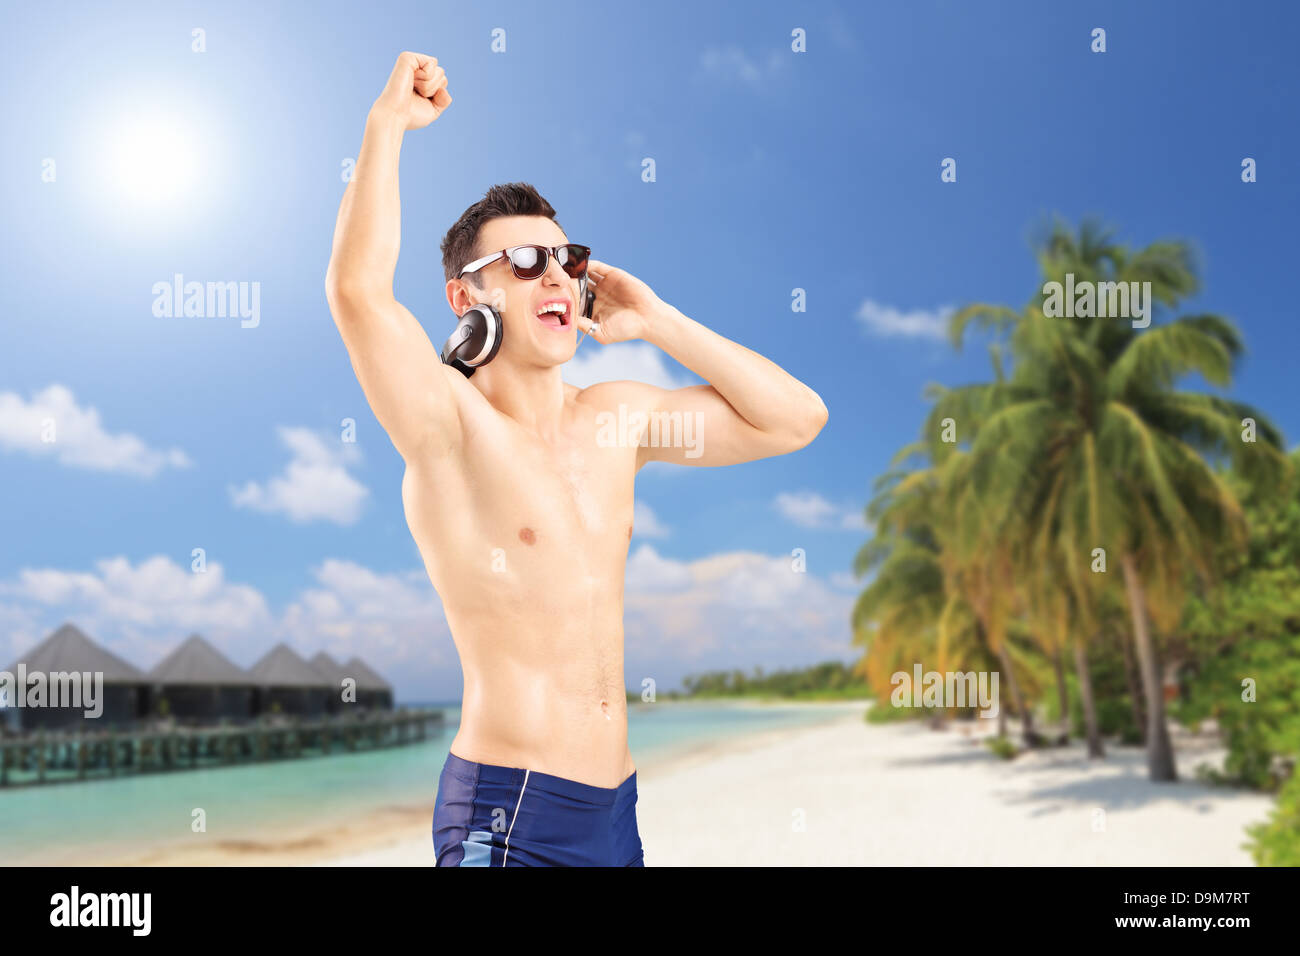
<point>554,313</point>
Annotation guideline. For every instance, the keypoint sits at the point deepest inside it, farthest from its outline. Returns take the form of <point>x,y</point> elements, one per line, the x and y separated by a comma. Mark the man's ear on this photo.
<point>458,296</point>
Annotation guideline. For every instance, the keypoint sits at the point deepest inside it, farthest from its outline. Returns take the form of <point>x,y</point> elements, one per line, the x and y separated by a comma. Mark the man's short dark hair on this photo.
<point>460,245</point>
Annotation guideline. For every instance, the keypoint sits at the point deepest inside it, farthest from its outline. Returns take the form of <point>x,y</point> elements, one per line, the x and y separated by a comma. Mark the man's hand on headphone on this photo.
<point>416,92</point>
<point>625,305</point>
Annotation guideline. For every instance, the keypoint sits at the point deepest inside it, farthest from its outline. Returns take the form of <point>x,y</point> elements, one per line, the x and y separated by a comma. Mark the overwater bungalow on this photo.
<point>197,684</point>
<point>287,684</point>
<point>208,702</point>
<point>336,674</point>
<point>373,692</point>
<point>125,693</point>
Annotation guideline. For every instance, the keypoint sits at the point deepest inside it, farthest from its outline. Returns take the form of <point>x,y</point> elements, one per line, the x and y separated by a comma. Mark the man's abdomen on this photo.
<point>552,704</point>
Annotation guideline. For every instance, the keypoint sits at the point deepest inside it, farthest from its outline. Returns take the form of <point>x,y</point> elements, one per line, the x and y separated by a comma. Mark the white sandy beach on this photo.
<point>846,794</point>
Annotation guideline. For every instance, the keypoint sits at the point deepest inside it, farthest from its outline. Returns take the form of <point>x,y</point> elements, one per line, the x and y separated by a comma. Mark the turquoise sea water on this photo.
<point>96,820</point>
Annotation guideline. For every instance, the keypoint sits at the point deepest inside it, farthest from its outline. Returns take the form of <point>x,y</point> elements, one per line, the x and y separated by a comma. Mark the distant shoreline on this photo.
<point>321,841</point>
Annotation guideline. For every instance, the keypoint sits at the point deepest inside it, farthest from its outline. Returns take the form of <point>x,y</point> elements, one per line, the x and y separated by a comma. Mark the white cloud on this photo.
<point>887,321</point>
<point>734,609</point>
<point>731,64</point>
<point>638,361</point>
<point>847,581</point>
<point>148,607</point>
<point>808,509</point>
<point>391,620</point>
<point>53,424</point>
<point>315,484</point>
<point>648,573</point>
<point>645,523</point>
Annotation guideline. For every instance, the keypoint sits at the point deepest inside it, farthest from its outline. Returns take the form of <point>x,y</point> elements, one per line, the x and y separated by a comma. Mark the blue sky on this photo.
<point>775,170</point>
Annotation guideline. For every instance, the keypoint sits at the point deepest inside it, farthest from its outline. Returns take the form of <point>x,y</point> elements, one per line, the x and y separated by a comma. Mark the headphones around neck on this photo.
<point>477,337</point>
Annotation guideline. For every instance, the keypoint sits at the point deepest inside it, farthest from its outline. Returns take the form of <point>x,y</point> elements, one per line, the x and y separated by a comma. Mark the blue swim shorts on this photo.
<point>505,816</point>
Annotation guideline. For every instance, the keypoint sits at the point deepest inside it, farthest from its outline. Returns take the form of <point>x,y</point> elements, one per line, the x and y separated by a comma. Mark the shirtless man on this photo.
<point>522,511</point>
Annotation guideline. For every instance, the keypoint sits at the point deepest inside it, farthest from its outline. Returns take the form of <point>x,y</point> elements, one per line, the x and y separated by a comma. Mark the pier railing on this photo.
<point>67,756</point>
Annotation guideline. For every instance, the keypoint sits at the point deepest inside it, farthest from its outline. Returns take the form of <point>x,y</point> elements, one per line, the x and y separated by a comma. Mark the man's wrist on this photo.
<point>384,120</point>
<point>660,322</point>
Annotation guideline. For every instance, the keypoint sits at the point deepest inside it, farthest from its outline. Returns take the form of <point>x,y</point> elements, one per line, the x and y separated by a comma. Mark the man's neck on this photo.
<point>532,396</point>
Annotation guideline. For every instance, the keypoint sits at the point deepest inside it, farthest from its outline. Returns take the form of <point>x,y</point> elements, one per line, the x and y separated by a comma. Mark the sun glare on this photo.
<point>153,160</point>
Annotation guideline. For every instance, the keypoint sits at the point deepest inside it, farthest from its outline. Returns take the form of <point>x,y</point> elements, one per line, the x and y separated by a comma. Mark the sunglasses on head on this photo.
<point>530,261</point>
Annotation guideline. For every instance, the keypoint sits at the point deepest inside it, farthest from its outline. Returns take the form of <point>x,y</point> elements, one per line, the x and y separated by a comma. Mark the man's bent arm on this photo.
<point>751,408</point>
<point>404,380</point>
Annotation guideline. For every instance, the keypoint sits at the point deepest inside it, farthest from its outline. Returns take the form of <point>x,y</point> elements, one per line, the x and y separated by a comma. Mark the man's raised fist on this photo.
<point>416,91</point>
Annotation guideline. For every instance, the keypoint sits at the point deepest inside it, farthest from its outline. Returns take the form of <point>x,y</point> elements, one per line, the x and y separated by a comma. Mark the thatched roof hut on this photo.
<point>336,674</point>
<point>68,650</point>
<point>199,683</point>
<point>288,684</point>
<point>372,690</point>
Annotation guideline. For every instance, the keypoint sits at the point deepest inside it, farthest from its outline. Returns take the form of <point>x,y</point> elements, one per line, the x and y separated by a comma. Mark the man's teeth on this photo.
<point>556,307</point>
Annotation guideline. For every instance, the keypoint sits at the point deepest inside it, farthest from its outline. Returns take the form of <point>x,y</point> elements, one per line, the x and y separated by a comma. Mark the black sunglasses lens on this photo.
<point>573,260</point>
<point>529,262</point>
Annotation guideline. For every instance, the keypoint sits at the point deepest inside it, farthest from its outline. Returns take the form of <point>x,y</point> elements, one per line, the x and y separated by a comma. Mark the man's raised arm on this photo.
<point>398,367</point>
<point>751,408</point>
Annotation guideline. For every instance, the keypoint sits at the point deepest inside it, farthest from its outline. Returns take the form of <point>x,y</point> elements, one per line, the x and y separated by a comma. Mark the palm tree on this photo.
<point>908,613</point>
<point>896,617</point>
<point>935,593</point>
<point>980,567</point>
<point>1093,442</point>
<point>1066,614</point>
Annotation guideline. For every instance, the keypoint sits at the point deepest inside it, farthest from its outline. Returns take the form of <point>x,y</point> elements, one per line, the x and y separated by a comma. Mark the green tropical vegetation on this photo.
<point>1119,542</point>
<point>831,680</point>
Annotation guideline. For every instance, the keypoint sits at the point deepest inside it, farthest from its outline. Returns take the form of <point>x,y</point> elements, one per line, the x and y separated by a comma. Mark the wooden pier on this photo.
<point>65,757</point>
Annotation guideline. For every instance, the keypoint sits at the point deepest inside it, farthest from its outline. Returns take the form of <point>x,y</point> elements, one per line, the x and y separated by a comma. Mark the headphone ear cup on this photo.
<point>476,341</point>
<point>495,334</point>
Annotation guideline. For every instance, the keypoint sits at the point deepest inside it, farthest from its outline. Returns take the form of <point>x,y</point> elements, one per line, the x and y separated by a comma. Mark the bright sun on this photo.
<point>153,159</point>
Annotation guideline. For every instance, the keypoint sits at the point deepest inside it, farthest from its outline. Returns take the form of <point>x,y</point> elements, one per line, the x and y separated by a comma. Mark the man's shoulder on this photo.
<point>609,395</point>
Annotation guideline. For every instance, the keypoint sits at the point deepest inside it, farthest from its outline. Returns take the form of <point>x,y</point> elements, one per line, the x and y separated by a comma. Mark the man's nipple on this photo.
<point>527,535</point>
